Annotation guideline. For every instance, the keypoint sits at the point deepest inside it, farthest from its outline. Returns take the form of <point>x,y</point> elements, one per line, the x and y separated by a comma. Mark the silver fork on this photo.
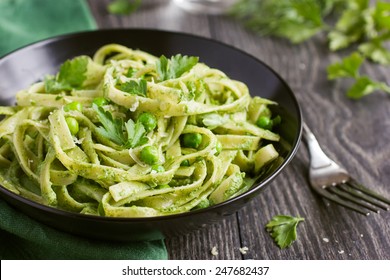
<point>333,182</point>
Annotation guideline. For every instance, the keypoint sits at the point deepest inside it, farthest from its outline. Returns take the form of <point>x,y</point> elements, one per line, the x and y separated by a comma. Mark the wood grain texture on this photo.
<point>354,133</point>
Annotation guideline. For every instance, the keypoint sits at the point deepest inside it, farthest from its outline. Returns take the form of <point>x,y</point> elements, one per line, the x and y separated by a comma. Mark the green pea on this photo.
<point>73,125</point>
<point>192,140</point>
<point>185,163</point>
<point>73,106</point>
<point>148,120</point>
<point>149,155</point>
<point>158,168</point>
<point>264,122</point>
<point>100,101</point>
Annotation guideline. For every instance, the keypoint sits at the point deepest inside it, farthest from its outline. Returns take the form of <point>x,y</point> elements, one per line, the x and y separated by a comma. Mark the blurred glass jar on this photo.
<point>210,7</point>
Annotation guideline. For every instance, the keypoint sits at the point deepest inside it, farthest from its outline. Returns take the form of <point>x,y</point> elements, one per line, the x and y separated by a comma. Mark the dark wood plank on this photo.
<point>350,132</point>
<point>355,134</point>
<point>199,244</point>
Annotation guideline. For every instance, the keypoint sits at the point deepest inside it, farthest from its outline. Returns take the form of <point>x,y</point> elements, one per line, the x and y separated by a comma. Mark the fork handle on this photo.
<point>318,158</point>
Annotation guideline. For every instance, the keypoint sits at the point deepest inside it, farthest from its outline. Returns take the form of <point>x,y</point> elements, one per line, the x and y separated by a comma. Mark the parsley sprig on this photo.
<point>128,134</point>
<point>283,229</point>
<point>296,20</point>
<point>134,87</point>
<point>135,134</point>
<point>349,67</point>
<point>175,66</point>
<point>71,75</point>
<point>360,25</point>
<point>78,73</point>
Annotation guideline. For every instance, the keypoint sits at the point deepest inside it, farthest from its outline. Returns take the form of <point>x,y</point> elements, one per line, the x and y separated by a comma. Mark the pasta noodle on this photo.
<point>128,134</point>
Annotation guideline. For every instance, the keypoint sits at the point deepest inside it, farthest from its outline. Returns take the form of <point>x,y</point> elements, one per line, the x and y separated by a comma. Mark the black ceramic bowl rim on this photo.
<point>254,189</point>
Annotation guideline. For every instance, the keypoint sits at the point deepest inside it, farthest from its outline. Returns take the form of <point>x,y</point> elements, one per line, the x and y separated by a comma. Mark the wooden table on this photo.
<point>354,133</point>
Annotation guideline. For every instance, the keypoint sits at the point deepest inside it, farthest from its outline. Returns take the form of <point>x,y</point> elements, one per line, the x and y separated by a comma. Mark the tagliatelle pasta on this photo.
<point>128,134</point>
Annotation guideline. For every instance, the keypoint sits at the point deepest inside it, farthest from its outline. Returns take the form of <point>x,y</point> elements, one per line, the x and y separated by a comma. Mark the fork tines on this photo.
<point>356,194</point>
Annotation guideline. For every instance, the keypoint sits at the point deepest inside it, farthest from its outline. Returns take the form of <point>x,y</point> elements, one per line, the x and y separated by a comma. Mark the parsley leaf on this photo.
<point>135,134</point>
<point>74,71</point>
<point>364,86</point>
<point>123,7</point>
<point>291,19</point>
<point>381,16</point>
<point>361,24</point>
<point>72,74</point>
<point>370,25</point>
<point>53,86</point>
<point>338,40</point>
<point>348,67</point>
<point>112,128</point>
<point>350,27</point>
<point>162,68</point>
<point>134,87</point>
<point>131,72</point>
<point>375,51</point>
<point>283,229</point>
<point>175,66</point>
<point>180,64</point>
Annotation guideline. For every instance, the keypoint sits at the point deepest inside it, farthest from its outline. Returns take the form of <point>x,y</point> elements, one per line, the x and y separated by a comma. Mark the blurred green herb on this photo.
<point>363,26</point>
<point>123,7</point>
<point>349,67</point>
<point>296,20</point>
<point>283,229</point>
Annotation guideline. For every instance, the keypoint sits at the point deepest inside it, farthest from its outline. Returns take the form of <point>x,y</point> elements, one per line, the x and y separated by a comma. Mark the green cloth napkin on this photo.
<point>24,238</point>
<point>26,21</point>
<point>23,22</point>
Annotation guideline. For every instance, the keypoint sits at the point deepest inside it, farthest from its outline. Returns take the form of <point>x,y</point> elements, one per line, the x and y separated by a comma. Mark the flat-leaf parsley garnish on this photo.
<point>283,229</point>
<point>175,66</point>
<point>72,74</point>
<point>349,67</point>
<point>134,87</point>
<point>127,134</point>
<point>79,72</point>
<point>135,134</point>
<point>360,26</point>
<point>111,128</point>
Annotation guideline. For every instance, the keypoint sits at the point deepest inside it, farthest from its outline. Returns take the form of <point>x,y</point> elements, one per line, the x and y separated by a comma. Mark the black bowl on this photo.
<point>29,64</point>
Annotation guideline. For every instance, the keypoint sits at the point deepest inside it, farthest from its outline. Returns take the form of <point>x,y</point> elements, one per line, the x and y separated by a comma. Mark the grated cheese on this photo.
<point>244,250</point>
<point>214,251</point>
